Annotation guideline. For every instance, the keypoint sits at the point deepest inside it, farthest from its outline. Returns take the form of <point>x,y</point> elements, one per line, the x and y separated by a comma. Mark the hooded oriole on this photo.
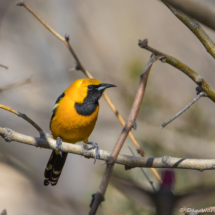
<point>73,119</point>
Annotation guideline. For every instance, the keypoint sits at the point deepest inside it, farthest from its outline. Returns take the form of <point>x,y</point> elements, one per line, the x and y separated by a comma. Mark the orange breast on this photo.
<point>71,126</point>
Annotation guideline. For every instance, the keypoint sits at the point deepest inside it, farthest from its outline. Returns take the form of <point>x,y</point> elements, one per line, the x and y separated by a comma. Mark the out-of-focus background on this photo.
<point>104,35</point>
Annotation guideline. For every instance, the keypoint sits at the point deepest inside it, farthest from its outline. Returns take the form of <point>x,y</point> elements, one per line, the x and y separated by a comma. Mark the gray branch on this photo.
<point>127,161</point>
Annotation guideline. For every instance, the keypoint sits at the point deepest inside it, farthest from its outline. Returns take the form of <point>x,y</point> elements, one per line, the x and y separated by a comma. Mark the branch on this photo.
<point>3,66</point>
<point>195,28</point>
<point>144,173</point>
<point>65,39</point>
<point>99,196</point>
<point>126,160</point>
<point>80,66</point>
<point>203,12</point>
<point>25,117</point>
<point>15,85</point>
<point>183,110</point>
<point>184,68</point>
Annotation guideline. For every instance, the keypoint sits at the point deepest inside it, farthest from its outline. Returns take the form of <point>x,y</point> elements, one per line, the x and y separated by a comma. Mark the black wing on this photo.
<point>55,108</point>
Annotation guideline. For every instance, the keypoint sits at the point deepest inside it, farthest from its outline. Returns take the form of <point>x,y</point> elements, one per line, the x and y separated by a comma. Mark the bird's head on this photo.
<point>87,90</point>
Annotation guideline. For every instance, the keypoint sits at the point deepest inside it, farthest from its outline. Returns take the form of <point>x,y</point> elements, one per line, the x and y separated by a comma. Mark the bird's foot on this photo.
<point>93,146</point>
<point>59,147</point>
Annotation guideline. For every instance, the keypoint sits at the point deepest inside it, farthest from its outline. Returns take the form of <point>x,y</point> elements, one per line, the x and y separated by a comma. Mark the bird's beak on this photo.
<point>103,86</point>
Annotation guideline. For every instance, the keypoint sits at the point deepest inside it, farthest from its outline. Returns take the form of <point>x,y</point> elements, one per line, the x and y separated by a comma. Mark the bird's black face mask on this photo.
<point>90,103</point>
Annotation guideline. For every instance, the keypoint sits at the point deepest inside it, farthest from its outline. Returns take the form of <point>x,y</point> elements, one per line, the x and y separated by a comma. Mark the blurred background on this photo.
<point>104,35</point>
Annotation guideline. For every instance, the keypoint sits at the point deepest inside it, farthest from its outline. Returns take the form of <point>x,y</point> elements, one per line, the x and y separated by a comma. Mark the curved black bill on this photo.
<point>103,86</point>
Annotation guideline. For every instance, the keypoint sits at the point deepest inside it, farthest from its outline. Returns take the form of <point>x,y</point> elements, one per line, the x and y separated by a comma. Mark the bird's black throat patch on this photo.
<point>90,102</point>
<point>86,109</point>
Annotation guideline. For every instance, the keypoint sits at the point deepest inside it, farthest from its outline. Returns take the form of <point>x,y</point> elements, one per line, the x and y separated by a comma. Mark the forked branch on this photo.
<point>99,196</point>
<point>25,117</point>
<point>205,87</point>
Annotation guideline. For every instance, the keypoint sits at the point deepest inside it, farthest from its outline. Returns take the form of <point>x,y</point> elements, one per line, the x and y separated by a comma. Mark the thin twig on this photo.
<point>25,117</point>
<point>121,120</point>
<point>184,68</point>
<point>183,110</point>
<point>3,66</point>
<point>15,85</point>
<point>65,39</point>
<point>126,160</point>
<point>144,173</point>
<point>99,196</point>
<point>80,66</point>
<point>194,26</point>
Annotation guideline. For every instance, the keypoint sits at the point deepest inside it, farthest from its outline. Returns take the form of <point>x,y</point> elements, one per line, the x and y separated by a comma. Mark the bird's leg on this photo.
<point>94,146</point>
<point>59,147</point>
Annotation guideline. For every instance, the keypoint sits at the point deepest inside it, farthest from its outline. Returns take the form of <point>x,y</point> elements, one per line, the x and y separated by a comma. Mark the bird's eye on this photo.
<point>90,87</point>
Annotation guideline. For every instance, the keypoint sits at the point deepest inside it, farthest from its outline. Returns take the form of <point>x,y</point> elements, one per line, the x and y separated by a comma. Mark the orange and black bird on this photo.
<point>73,120</point>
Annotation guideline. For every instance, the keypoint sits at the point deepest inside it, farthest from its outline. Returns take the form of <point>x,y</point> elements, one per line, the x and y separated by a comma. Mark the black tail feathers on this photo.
<point>54,168</point>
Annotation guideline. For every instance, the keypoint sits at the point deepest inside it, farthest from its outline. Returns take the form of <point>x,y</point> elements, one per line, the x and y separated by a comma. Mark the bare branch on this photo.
<point>195,28</point>
<point>64,40</point>
<point>144,173</point>
<point>126,160</point>
<point>184,68</point>
<point>121,120</point>
<point>203,12</point>
<point>15,85</point>
<point>3,66</point>
<point>79,66</point>
<point>183,110</point>
<point>24,117</point>
<point>99,196</point>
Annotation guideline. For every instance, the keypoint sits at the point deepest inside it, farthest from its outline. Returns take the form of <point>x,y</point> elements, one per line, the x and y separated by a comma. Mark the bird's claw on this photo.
<point>59,147</point>
<point>93,146</point>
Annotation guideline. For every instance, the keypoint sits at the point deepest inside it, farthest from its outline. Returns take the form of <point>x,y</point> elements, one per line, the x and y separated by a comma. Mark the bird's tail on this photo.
<point>54,168</point>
